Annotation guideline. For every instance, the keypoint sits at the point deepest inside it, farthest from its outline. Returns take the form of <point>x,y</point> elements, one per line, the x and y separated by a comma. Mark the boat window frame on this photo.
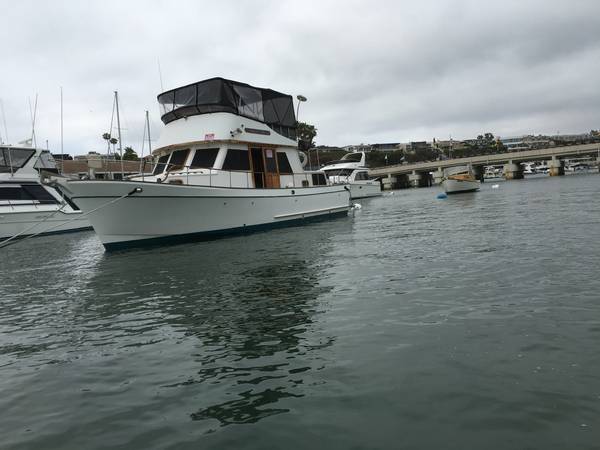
<point>7,159</point>
<point>205,150</point>
<point>361,175</point>
<point>161,165</point>
<point>180,166</point>
<point>319,179</point>
<point>29,192</point>
<point>283,157</point>
<point>246,151</point>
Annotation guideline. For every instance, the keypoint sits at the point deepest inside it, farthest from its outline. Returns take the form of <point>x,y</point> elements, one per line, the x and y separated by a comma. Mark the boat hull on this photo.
<point>365,190</point>
<point>459,186</point>
<point>14,223</point>
<point>163,213</point>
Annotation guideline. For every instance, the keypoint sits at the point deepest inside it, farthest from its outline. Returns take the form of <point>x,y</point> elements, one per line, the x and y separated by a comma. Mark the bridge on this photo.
<point>418,174</point>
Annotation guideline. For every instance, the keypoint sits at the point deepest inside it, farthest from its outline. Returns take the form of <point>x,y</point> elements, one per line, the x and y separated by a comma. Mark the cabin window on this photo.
<point>45,161</point>
<point>361,176</point>
<point>13,193</point>
<point>283,163</point>
<point>270,161</point>
<point>236,160</point>
<point>38,193</point>
<point>27,192</point>
<point>339,172</point>
<point>318,179</point>
<point>204,158</point>
<point>177,160</point>
<point>160,166</point>
<point>17,156</point>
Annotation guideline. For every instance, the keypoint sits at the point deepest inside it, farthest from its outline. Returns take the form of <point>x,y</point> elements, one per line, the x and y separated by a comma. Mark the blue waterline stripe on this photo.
<point>217,234</point>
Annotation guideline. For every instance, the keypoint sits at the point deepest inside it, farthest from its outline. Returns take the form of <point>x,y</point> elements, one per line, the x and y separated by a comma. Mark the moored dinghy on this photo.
<point>227,162</point>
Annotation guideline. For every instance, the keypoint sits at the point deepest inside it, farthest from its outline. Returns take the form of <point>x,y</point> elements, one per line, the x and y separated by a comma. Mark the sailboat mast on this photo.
<point>149,140</point>
<point>146,127</point>
<point>62,157</point>
<point>119,131</point>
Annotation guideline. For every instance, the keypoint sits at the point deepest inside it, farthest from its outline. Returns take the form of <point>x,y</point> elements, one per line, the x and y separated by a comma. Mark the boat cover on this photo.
<point>220,95</point>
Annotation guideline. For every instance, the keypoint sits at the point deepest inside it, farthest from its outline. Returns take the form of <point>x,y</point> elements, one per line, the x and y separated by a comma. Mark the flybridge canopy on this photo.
<point>219,95</point>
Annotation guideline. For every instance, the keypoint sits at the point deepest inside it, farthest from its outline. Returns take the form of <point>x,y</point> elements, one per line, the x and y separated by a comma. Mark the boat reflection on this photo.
<point>248,315</point>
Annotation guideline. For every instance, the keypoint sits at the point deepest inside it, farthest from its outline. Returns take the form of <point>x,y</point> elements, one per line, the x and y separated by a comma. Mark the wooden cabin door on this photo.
<point>271,171</point>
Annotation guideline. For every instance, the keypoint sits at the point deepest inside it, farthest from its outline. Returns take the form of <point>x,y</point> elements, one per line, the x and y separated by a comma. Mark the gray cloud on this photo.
<point>373,71</point>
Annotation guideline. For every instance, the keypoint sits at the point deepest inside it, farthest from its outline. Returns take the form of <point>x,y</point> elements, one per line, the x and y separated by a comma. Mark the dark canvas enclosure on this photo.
<point>219,95</point>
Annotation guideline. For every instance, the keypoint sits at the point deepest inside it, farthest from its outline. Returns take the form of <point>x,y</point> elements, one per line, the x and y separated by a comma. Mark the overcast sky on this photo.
<point>373,71</point>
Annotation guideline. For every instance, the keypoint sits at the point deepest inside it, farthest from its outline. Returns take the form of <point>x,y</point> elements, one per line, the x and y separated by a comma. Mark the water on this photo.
<point>419,323</point>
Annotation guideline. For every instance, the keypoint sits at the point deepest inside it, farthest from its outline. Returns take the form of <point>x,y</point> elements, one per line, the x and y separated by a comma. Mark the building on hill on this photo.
<point>358,148</point>
<point>414,147</point>
<point>386,147</point>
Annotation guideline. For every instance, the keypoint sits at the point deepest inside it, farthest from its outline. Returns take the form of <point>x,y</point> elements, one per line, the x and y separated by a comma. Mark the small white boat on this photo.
<point>352,170</point>
<point>529,168</point>
<point>28,207</point>
<point>227,162</point>
<point>459,179</point>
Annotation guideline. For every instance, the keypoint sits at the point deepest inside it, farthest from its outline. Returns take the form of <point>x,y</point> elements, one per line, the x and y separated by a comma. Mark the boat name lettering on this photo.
<point>257,131</point>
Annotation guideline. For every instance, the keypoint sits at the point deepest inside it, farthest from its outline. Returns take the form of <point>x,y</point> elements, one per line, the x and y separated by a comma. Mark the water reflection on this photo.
<point>246,307</point>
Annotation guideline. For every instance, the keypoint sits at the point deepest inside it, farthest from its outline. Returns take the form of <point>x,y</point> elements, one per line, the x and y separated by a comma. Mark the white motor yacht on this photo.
<point>28,207</point>
<point>459,179</point>
<point>352,170</point>
<point>227,162</point>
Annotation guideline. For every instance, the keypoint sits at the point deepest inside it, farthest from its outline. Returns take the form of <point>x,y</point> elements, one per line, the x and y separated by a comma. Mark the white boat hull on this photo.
<point>456,186</point>
<point>163,212</point>
<point>26,223</point>
<point>365,189</point>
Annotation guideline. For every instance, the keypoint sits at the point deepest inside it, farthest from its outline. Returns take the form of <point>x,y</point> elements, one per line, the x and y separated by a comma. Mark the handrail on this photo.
<point>187,170</point>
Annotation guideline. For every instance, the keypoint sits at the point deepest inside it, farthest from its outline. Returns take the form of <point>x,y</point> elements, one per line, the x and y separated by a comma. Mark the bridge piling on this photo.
<point>513,171</point>
<point>556,167</point>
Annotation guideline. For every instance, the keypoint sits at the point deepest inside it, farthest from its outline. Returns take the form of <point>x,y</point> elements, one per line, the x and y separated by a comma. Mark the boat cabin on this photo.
<point>220,132</point>
<point>20,179</point>
<point>235,165</point>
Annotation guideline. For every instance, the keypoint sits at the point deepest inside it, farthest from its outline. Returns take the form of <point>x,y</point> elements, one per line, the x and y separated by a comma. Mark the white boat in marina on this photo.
<point>352,170</point>
<point>227,162</point>
<point>492,172</point>
<point>459,179</point>
<point>28,207</point>
<point>529,168</point>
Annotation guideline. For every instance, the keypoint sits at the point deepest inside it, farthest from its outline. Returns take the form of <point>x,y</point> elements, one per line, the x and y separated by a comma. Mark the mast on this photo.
<point>142,163</point>
<point>33,116</point>
<point>119,131</point>
<point>62,157</point>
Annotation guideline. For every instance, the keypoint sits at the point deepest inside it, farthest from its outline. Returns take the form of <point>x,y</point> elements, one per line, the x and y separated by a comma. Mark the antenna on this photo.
<point>162,89</point>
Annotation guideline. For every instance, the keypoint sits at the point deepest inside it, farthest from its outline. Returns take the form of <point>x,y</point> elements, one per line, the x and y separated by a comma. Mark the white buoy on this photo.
<point>356,206</point>
<point>495,186</point>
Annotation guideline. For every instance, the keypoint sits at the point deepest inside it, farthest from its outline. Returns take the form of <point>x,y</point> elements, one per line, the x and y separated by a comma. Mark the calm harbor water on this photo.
<point>470,322</point>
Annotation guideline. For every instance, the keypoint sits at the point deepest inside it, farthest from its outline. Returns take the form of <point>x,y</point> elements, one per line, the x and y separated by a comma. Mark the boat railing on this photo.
<point>187,171</point>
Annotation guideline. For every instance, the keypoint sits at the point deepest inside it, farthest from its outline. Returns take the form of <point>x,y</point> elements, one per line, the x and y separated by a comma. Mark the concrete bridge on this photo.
<point>418,174</point>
